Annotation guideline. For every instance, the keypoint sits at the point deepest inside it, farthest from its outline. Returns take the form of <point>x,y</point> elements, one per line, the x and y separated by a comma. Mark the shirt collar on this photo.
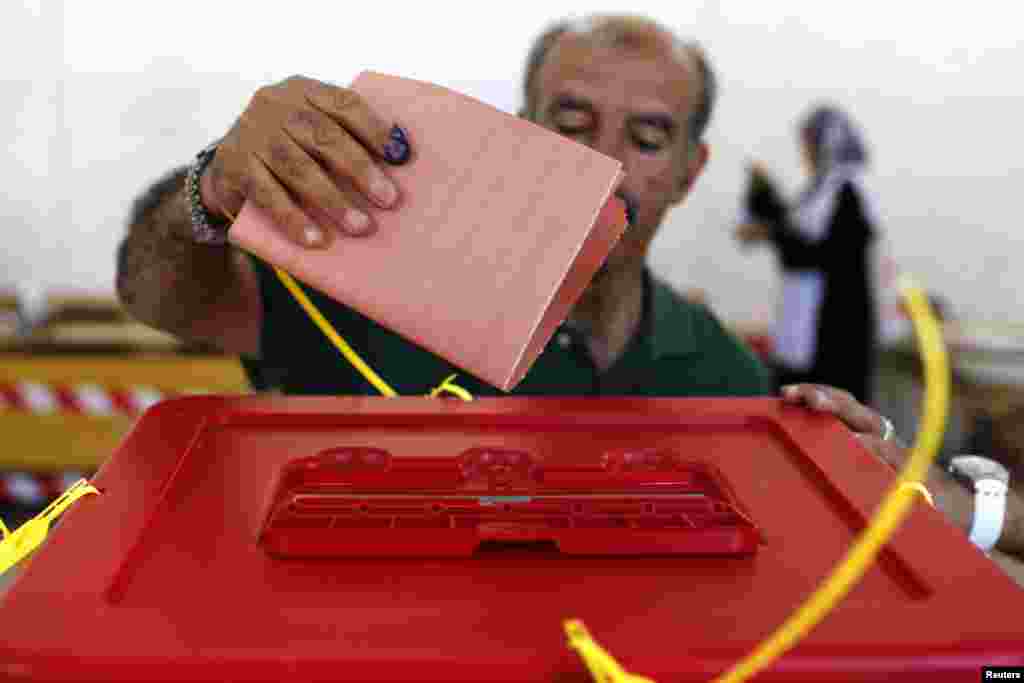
<point>667,326</point>
<point>673,332</point>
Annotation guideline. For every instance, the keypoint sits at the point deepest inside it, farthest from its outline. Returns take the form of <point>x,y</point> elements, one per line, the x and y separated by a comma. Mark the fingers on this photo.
<point>323,139</point>
<point>307,181</point>
<point>388,140</point>
<point>216,193</point>
<point>842,404</point>
<point>811,395</point>
<point>888,452</point>
<point>864,422</point>
<point>261,187</point>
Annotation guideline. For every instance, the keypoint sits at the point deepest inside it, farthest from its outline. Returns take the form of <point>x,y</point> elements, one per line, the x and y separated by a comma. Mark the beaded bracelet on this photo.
<point>206,228</point>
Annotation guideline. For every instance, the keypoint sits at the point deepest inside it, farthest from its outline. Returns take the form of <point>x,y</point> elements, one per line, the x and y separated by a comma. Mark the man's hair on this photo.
<point>625,31</point>
<point>146,203</point>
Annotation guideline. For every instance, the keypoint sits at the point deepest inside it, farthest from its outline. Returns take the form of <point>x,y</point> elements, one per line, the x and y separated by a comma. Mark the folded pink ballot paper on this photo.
<point>500,227</point>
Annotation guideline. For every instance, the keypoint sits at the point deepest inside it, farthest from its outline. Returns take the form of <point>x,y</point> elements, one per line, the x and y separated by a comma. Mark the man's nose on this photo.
<point>611,143</point>
<point>614,146</point>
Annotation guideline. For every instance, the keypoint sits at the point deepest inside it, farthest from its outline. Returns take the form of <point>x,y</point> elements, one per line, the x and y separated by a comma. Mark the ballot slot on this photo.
<point>365,501</point>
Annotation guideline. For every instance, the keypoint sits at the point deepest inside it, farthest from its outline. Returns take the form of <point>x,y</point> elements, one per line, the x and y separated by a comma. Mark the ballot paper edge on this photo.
<point>559,305</point>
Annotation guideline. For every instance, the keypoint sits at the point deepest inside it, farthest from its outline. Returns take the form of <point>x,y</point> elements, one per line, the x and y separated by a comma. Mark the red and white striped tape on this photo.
<point>35,489</point>
<point>81,399</point>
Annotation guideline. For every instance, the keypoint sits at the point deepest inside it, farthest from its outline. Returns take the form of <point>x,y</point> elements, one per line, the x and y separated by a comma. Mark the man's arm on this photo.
<point>958,503</point>
<point>1011,541</point>
<point>197,292</point>
<point>953,499</point>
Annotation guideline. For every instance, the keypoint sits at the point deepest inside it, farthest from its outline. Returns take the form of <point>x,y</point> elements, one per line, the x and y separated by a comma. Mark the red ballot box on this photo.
<point>248,539</point>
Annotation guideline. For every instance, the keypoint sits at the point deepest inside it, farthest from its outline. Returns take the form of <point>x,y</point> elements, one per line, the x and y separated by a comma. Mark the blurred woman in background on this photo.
<point>826,331</point>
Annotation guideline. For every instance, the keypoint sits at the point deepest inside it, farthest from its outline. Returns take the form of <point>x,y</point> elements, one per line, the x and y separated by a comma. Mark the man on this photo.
<point>624,86</point>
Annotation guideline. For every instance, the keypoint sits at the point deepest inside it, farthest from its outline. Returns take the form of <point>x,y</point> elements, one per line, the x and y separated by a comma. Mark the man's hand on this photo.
<point>866,424</point>
<point>308,153</point>
<point>953,499</point>
<point>287,147</point>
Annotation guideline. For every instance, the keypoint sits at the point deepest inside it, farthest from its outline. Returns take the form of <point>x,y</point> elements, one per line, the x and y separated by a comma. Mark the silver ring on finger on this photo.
<point>888,430</point>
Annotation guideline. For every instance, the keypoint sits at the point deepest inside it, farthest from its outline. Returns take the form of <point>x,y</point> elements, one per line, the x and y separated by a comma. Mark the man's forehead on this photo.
<point>646,67</point>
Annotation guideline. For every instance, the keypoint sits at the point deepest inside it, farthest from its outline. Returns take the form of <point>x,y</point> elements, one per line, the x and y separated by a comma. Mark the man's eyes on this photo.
<point>572,122</point>
<point>649,138</point>
<point>644,136</point>
<point>572,130</point>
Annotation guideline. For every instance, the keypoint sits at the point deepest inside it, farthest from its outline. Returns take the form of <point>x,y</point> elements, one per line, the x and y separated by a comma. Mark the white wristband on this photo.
<point>989,513</point>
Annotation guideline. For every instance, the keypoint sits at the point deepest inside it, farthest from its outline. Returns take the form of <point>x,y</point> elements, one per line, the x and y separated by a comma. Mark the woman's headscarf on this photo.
<point>840,155</point>
<point>834,139</point>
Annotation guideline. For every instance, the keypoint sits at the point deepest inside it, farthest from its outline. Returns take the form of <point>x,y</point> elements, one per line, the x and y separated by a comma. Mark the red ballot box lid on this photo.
<point>166,575</point>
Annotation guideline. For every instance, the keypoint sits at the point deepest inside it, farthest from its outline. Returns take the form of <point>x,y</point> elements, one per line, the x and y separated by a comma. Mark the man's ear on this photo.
<point>692,168</point>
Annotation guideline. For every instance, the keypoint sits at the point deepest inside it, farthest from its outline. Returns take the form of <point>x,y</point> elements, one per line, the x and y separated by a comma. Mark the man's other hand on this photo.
<point>866,424</point>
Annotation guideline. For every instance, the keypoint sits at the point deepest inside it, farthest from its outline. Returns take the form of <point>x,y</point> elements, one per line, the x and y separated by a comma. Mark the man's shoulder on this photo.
<point>690,332</point>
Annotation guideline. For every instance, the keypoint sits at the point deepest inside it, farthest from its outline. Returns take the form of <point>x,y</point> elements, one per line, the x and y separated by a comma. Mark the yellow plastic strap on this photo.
<point>448,386</point>
<point>19,544</point>
<point>347,351</point>
<point>891,511</point>
<point>601,665</point>
<point>325,326</point>
<point>886,520</point>
<point>916,486</point>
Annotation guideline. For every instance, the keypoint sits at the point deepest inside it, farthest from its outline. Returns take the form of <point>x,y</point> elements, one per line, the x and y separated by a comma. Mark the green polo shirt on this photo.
<point>680,349</point>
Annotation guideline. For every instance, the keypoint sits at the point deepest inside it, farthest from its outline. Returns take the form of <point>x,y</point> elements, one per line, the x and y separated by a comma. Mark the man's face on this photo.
<point>633,104</point>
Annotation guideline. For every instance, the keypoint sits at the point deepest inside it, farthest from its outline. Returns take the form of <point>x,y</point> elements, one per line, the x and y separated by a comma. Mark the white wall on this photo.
<point>98,98</point>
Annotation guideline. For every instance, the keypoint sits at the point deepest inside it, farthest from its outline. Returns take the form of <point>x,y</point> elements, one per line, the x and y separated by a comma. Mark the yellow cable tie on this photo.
<point>339,343</point>
<point>920,488</point>
<point>22,542</point>
<point>890,512</point>
<point>448,386</point>
<point>332,335</point>
<point>347,351</point>
<point>602,666</point>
